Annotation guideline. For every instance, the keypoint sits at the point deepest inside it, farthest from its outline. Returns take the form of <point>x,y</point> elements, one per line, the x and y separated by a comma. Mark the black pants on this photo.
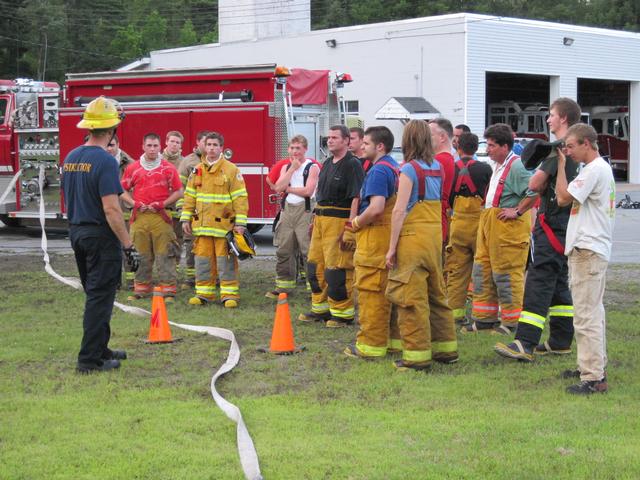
<point>99,258</point>
<point>547,285</point>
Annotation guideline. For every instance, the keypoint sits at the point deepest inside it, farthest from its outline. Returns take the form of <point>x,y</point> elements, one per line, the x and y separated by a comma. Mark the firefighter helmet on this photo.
<point>241,244</point>
<point>101,112</point>
<point>536,151</point>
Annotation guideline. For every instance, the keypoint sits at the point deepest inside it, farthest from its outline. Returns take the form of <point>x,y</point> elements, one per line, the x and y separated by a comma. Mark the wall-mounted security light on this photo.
<point>332,43</point>
<point>567,41</point>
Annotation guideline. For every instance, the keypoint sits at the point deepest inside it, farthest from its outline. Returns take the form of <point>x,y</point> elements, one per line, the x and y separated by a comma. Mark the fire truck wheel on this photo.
<point>254,227</point>
<point>10,222</point>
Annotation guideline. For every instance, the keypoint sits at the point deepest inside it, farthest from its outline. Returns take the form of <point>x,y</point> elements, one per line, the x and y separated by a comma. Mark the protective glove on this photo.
<point>133,258</point>
<point>347,238</point>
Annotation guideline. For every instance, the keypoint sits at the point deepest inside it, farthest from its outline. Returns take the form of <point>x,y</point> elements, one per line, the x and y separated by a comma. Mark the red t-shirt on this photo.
<point>274,173</point>
<point>151,185</point>
<point>276,170</point>
<point>448,165</point>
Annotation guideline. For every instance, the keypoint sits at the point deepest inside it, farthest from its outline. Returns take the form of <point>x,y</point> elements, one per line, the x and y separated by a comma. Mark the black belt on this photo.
<point>332,212</point>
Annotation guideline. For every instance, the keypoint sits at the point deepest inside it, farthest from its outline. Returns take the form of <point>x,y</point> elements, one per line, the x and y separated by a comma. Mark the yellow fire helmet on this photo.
<point>241,244</point>
<point>101,112</point>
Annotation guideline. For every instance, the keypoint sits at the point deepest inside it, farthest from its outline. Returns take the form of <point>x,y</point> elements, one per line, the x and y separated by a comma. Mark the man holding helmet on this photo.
<point>97,231</point>
<point>215,203</point>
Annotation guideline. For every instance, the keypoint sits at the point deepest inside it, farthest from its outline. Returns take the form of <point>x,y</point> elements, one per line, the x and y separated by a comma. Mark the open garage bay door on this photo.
<point>607,103</point>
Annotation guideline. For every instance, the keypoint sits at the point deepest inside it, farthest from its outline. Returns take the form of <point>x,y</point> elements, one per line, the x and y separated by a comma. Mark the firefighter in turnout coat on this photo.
<point>215,202</point>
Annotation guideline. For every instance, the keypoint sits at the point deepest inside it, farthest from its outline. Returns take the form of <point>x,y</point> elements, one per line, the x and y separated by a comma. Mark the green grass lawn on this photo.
<point>317,415</point>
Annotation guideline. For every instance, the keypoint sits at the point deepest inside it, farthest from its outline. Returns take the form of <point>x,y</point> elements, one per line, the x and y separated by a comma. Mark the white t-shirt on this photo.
<point>297,181</point>
<point>593,210</point>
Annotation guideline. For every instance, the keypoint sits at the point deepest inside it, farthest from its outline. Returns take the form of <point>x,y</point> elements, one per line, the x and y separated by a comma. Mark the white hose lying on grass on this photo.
<point>246,448</point>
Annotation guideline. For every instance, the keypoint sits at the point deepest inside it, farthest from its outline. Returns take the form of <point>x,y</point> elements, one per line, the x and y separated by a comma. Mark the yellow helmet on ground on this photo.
<point>241,244</point>
<point>101,112</point>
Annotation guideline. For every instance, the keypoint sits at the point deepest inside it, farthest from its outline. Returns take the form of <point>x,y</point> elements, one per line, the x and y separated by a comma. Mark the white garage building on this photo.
<point>459,63</point>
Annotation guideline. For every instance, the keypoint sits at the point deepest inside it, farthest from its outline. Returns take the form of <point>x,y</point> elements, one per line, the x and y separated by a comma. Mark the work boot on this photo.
<point>273,294</point>
<point>545,349</point>
<point>447,358</point>
<point>197,300</point>
<point>353,352</point>
<point>587,387</point>
<point>135,297</point>
<point>314,317</point>
<point>503,330</point>
<point>478,327</point>
<point>114,355</point>
<point>515,350</point>
<point>402,366</point>
<point>335,322</point>
<point>230,303</point>
<point>103,366</point>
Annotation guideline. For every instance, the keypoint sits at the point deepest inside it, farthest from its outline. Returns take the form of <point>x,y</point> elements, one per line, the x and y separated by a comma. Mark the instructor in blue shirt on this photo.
<point>97,231</point>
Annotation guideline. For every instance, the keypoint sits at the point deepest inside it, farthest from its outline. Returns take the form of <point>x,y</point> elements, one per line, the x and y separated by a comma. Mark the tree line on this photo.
<point>44,39</point>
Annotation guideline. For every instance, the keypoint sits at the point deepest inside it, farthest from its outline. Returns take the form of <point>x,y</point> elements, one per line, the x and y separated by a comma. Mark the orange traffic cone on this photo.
<point>159,331</point>
<point>282,342</point>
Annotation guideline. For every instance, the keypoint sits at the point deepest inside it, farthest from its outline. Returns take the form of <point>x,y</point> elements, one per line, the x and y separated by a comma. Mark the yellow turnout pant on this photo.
<point>416,287</point>
<point>330,269</point>
<point>498,269</point>
<point>460,251</point>
<point>212,261</point>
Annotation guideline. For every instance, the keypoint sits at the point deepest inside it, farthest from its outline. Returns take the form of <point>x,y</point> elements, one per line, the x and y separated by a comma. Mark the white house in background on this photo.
<point>458,63</point>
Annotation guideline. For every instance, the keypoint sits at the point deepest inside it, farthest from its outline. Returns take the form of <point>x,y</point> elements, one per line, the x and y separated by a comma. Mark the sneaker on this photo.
<point>587,387</point>
<point>446,358</point>
<point>402,366</point>
<point>104,366</point>
<point>231,303</point>
<point>199,301</point>
<point>545,349</point>
<point>314,317</point>
<point>273,294</point>
<point>335,322</point>
<point>515,350</point>
<point>134,297</point>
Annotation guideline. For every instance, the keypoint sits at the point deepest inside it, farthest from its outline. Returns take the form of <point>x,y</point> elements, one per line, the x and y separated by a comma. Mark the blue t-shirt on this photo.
<point>88,174</point>
<point>379,181</point>
<point>433,184</point>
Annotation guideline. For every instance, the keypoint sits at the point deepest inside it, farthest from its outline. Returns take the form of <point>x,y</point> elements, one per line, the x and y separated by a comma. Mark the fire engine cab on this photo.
<point>612,125</point>
<point>257,108</point>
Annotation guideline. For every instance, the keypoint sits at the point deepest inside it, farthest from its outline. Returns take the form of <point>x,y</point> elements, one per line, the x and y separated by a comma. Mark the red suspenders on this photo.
<point>509,160</point>
<point>464,178</point>
<point>421,173</point>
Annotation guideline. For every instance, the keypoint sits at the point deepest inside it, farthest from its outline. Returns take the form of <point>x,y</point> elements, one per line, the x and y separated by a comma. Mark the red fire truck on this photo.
<point>28,140</point>
<point>256,108</point>
<point>612,125</point>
